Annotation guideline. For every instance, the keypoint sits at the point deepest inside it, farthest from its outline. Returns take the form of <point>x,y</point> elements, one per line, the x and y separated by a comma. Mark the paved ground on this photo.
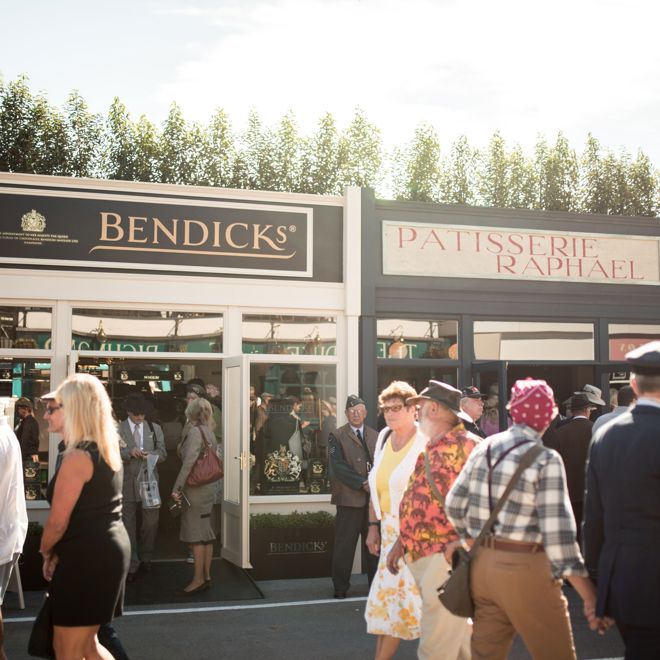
<point>297,620</point>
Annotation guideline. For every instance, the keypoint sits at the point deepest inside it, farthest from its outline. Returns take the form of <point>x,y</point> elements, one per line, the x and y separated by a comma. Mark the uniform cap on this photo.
<point>645,360</point>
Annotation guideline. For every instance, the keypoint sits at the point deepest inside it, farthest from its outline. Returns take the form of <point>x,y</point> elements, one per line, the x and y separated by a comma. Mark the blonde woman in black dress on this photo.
<point>85,546</point>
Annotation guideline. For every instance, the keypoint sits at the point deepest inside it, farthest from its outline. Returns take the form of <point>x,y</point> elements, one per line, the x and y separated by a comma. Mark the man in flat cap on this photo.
<point>472,404</point>
<point>351,452</point>
<point>621,515</point>
<point>141,438</point>
<point>425,531</point>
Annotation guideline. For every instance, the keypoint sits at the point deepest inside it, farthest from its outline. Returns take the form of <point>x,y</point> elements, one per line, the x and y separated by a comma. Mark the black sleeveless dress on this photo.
<point>87,588</point>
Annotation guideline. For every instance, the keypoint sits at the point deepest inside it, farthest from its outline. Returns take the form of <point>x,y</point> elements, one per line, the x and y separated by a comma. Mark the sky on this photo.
<point>467,67</point>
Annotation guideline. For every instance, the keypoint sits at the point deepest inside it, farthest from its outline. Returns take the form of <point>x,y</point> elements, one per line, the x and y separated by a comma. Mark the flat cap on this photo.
<point>472,392</point>
<point>645,360</point>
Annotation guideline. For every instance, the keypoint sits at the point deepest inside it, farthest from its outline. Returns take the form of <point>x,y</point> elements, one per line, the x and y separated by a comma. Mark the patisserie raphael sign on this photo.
<point>149,233</point>
<point>434,250</point>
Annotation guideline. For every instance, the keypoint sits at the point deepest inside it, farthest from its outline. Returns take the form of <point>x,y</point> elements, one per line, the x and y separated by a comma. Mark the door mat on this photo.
<point>163,584</point>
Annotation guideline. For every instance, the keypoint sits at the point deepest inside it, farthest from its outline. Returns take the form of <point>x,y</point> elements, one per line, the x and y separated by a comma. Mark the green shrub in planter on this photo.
<point>291,545</point>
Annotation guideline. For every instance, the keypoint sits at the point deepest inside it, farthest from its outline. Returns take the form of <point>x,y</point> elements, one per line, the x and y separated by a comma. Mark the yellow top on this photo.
<point>388,463</point>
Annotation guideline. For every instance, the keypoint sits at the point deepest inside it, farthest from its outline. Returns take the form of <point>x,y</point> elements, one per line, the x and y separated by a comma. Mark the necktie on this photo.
<point>359,436</point>
<point>137,437</point>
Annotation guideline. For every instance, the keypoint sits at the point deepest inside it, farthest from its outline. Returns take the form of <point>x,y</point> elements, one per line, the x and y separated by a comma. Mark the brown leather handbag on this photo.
<point>208,467</point>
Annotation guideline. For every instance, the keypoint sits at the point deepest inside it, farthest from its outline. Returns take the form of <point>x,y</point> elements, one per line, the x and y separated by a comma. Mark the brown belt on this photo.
<point>511,546</point>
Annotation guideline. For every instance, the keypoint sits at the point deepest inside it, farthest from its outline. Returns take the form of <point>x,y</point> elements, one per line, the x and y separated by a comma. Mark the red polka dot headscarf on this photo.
<point>532,403</point>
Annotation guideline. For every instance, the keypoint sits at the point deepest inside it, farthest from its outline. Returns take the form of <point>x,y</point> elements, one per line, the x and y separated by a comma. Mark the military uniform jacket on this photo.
<point>350,465</point>
<point>151,443</point>
<point>621,532</point>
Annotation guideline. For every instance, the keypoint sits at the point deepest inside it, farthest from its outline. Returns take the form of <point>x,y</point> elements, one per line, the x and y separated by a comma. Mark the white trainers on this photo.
<point>190,559</point>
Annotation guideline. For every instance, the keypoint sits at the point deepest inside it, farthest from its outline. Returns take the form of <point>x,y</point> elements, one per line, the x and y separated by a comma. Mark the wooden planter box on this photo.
<point>286,552</point>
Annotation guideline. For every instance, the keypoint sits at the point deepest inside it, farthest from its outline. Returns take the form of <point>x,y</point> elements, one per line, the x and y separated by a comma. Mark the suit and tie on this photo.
<point>147,438</point>
<point>351,453</point>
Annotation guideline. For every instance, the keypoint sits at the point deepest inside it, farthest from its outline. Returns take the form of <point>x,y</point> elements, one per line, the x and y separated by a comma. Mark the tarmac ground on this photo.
<point>296,620</point>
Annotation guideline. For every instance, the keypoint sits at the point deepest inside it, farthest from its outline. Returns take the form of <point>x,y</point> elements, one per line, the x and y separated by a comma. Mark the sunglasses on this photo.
<point>51,409</point>
<point>393,408</point>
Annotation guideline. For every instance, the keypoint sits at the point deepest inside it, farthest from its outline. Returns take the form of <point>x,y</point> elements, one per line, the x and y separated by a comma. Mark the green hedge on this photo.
<point>293,519</point>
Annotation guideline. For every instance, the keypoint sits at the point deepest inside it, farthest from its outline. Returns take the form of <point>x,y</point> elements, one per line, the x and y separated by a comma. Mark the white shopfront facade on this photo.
<point>150,285</point>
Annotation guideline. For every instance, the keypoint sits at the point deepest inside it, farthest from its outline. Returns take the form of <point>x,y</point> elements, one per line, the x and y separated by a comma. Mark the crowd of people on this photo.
<point>551,498</point>
<point>435,486</point>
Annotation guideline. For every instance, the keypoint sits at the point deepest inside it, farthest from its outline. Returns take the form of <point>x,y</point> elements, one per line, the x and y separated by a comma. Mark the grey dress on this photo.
<point>196,524</point>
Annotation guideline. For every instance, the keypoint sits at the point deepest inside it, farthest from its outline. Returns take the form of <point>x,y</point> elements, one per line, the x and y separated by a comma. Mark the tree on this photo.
<point>146,160</point>
<point>494,175</point>
<point>557,172</point>
<point>522,180</point>
<point>417,167</point>
<point>286,155</point>
<point>594,193</point>
<point>220,155</point>
<point>644,186</point>
<point>83,133</point>
<point>360,153</point>
<point>119,151</point>
<point>176,149</point>
<point>459,173</point>
<point>256,163</point>
<point>320,159</point>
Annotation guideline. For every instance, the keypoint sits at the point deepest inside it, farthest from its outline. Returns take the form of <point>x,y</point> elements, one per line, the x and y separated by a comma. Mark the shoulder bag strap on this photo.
<point>429,477</point>
<point>527,459</point>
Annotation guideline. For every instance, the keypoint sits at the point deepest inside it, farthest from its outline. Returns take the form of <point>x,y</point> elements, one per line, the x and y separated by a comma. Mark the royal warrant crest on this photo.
<point>33,221</point>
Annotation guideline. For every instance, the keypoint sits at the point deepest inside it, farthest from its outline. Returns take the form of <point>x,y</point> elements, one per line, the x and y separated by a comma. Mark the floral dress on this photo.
<point>394,605</point>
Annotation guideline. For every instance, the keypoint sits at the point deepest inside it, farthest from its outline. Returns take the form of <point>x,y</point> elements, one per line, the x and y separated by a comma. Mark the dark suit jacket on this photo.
<point>573,440</point>
<point>350,465</point>
<point>622,517</point>
<point>27,433</point>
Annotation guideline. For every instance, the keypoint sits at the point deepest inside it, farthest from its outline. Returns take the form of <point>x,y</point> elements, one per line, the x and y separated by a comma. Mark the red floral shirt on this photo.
<point>424,527</point>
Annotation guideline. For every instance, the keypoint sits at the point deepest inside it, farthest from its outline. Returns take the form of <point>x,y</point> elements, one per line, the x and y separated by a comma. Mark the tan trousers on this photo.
<point>515,592</point>
<point>444,636</point>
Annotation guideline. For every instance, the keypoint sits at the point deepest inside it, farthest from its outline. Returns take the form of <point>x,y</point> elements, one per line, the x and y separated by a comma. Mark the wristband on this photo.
<point>375,524</point>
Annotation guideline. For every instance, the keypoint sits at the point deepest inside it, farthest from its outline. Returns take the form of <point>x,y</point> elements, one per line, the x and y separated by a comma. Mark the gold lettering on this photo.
<point>106,224</point>
<point>216,234</point>
<point>133,229</point>
<point>158,225</point>
<point>187,224</point>
<point>281,234</point>
<point>259,235</point>
<point>228,235</point>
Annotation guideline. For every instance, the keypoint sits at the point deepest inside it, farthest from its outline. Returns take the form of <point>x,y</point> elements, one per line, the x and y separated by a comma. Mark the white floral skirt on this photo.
<point>394,606</point>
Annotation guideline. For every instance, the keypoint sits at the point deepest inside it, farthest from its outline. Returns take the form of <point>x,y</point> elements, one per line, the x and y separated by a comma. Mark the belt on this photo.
<point>495,543</point>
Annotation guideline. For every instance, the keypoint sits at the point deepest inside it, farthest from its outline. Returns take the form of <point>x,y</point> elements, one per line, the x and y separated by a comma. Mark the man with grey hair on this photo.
<point>621,521</point>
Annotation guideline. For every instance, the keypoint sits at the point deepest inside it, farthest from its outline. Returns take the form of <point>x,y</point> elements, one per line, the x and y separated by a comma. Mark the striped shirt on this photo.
<point>537,510</point>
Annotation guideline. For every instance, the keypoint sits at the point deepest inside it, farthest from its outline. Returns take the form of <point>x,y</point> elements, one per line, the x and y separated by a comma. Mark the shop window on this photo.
<point>24,382</point>
<point>533,341</point>
<point>148,331</point>
<point>25,327</point>
<point>409,339</point>
<point>289,335</point>
<point>292,412</point>
<point>418,377</point>
<point>624,337</point>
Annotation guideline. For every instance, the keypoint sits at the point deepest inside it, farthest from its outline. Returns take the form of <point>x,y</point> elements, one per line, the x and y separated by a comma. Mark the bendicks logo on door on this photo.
<point>157,234</point>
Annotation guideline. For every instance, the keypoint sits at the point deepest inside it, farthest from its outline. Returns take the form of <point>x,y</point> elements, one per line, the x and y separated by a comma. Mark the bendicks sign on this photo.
<point>143,233</point>
<point>432,250</point>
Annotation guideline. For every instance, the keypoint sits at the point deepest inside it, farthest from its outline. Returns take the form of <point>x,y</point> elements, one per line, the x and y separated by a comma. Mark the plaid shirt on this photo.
<point>537,510</point>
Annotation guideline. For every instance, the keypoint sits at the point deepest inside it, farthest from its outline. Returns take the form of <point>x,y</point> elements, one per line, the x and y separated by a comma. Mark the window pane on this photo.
<point>25,327</point>
<point>418,377</point>
<point>289,433</point>
<point>521,340</point>
<point>150,331</point>
<point>29,379</point>
<point>406,339</point>
<point>292,335</point>
<point>625,337</point>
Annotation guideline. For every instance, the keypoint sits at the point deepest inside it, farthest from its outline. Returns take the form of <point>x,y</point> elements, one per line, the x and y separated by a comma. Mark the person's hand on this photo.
<point>176,496</point>
<point>49,565</point>
<point>450,549</point>
<point>365,486</point>
<point>373,540</point>
<point>304,425</point>
<point>137,453</point>
<point>394,557</point>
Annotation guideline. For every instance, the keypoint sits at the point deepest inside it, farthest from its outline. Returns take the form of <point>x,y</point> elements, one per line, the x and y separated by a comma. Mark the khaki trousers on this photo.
<point>444,636</point>
<point>515,592</point>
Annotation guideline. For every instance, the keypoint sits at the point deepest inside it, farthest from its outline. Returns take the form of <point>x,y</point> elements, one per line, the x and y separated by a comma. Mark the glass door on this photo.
<point>490,378</point>
<point>235,501</point>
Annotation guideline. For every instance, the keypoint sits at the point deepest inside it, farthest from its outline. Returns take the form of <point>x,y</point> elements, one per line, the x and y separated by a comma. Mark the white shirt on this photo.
<point>13,514</point>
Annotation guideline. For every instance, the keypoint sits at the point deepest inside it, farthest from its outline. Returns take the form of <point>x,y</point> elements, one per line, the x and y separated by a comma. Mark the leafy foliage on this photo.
<point>38,138</point>
<point>295,519</point>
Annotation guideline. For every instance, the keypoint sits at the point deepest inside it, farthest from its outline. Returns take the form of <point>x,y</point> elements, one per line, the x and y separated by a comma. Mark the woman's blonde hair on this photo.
<point>88,417</point>
<point>397,389</point>
<point>199,411</point>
